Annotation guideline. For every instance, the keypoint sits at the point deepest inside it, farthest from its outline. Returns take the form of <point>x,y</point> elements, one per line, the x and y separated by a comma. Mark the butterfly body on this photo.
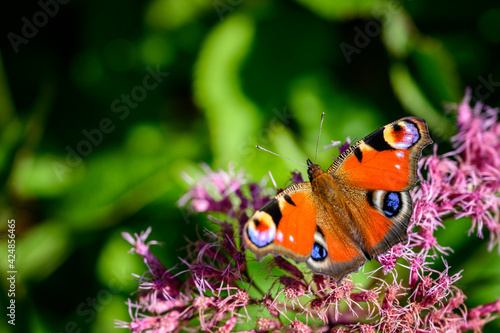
<point>353,212</point>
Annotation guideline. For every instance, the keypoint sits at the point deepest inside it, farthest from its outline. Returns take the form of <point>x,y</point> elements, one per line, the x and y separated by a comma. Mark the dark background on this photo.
<point>240,73</point>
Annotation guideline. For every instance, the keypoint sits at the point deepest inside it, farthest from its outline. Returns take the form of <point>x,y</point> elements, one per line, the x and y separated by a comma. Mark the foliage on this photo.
<point>218,284</point>
<point>104,104</point>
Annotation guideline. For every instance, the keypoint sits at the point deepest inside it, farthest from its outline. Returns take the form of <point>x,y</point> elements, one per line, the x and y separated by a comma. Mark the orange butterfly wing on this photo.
<point>375,176</point>
<point>284,226</point>
<point>289,225</point>
<point>386,159</point>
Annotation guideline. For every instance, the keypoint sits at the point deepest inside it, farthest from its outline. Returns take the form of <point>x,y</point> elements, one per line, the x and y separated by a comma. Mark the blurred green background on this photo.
<point>230,74</point>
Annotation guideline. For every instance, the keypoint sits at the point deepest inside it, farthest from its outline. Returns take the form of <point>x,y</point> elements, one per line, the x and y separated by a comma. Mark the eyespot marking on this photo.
<point>261,230</point>
<point>392,204</point>
<point>407,137</point>
<point>318,252</point>
<point>273,209</point>
<point>377,141</point>
<point>369,198</point>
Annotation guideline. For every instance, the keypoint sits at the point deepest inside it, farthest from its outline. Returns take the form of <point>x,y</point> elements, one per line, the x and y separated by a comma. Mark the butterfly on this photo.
<point>356,210</point>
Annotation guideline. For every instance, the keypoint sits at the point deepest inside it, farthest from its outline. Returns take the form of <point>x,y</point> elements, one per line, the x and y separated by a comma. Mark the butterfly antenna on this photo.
<point>286,158</point>
<point>319,135</point>
<point>272,179</point>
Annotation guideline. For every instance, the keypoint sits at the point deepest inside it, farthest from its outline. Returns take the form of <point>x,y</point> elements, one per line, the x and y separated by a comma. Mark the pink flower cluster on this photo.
<point>217,288</point>
<point>466,181</point>
<point>221,191</point>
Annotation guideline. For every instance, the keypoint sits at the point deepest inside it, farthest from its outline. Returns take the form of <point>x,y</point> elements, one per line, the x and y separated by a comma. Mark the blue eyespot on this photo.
<point>260,233</point>
<point>410,137</point>
<point>318,252</point>
<point>392,203</point>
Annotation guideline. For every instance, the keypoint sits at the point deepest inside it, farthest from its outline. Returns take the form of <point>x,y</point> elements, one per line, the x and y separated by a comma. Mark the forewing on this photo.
<point>386,159</point>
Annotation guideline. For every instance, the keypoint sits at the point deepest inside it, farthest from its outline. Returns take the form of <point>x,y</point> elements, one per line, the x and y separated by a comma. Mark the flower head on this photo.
<point>404,292</point>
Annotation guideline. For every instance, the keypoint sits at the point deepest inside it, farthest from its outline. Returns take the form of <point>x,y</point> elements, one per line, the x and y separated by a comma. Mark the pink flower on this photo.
<point>218,282</point>
<point>342,146</point>
<point>466,181</point>
<point>212,191</point>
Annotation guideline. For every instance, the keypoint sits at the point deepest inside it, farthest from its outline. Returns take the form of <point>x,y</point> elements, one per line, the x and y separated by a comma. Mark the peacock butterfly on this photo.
<point>356,210</point>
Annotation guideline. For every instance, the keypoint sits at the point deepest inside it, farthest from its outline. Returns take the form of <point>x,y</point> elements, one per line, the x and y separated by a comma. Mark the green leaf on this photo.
<point>172,14</point>
<point>436,71</point>
<point>396,31</point>
<point>231,116</point>
<point>115,265</point>
<point>338,9</point>
<point>41,251</point>
<point>415,102</point>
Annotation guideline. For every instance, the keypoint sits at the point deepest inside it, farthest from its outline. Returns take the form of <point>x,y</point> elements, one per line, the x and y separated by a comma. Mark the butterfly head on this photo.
<point>313,170</point>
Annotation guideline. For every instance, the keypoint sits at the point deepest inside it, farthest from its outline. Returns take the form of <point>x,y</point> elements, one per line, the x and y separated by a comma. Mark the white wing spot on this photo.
<point>279,236</point>
<point>398,166</point>
<point>291,238</point>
